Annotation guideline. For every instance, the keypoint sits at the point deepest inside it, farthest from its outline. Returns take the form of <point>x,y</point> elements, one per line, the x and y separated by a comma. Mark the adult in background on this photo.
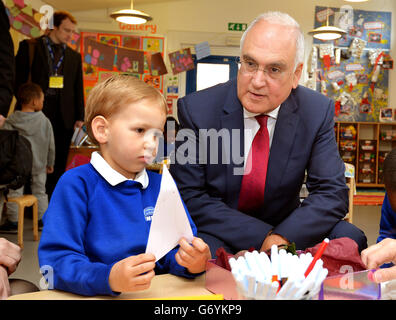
<point>7,63</point>
<point>50,63</point>
<point>254,201</point>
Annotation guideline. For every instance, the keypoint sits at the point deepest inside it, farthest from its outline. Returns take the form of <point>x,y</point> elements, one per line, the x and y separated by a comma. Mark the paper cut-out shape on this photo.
<point>169,222</point>
<point>181,60</point>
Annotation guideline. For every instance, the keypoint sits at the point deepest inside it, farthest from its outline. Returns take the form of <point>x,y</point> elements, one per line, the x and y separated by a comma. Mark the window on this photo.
<point>210,71</point>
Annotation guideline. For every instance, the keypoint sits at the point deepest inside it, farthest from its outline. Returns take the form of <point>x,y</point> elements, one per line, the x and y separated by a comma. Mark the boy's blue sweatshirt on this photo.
<point>90,225</point>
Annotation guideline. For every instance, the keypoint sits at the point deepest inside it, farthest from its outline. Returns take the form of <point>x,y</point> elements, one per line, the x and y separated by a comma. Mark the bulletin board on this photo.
<point>106,54</point>
<point>365,98</point>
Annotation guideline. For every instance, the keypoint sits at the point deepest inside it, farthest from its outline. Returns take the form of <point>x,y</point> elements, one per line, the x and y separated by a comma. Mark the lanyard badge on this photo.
<point>55,80</point>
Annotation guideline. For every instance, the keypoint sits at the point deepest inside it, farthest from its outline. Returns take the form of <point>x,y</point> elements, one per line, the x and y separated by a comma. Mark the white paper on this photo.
<point>169,222</point>
<point>202,50</point>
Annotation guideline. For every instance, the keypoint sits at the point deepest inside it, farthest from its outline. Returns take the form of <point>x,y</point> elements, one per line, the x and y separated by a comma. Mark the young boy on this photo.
<point>388,211</point>
<point>95,230</point>
<point>35,126</point>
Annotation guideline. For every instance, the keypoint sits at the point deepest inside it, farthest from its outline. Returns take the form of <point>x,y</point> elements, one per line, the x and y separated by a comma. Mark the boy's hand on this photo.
<point>193,256</point>
<point>133,273</point>
<point>50,169</point>
<point>2,120</point>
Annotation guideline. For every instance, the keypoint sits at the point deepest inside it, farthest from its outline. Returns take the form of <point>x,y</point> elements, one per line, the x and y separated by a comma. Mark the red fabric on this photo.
<point>340,252</point>
<point>222,258</point>
<point>253,182</point>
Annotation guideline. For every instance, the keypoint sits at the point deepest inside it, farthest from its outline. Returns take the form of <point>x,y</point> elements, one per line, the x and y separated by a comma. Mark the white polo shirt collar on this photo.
<point>112,176</point>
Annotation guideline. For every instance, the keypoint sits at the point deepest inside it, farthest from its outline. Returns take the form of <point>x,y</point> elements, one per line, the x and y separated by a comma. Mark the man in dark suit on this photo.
<point>300,126</point>
<point>50,63</point>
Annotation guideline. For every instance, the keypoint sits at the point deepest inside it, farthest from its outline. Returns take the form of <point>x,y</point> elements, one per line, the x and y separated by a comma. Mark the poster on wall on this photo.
<point>107,54</point>
<point>23,18</point>
<point>181,60</point>
<point>373,27</point>
<point>350,70</point>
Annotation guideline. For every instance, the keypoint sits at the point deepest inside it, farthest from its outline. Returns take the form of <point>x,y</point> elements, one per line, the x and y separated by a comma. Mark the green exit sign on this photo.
<point>232,26</point>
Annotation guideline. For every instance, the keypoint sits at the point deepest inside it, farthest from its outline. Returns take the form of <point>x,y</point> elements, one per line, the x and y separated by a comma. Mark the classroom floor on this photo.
<point>365,217</point>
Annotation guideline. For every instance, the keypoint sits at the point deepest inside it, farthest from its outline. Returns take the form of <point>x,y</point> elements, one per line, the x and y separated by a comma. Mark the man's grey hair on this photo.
<point>283,19</point>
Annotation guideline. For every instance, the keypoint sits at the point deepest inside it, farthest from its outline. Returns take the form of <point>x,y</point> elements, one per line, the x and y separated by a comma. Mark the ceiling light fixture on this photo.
<point>131,16</point>
<point>327,32</point>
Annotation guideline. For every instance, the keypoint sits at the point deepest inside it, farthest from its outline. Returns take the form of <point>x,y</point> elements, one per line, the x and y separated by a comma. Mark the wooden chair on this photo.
<point>350,181</point>
<point>24,201</point>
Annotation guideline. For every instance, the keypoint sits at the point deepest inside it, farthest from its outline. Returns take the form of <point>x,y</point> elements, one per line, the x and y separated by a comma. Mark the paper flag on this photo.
<point>181,60</point>
<point>102,55</point>
<point>129,60</point>
<point>156,64</point>
<point>169,222</point>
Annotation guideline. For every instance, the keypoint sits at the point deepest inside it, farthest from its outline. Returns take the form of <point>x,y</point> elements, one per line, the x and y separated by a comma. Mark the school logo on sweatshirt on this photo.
<point>148,213</point>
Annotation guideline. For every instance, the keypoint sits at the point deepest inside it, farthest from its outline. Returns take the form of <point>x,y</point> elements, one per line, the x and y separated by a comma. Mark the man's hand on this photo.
<point>10,255</point>
<point>273,239</point>
<point>378,254</point>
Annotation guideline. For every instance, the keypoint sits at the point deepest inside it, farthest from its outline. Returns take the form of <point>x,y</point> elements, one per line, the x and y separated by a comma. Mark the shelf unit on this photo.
<point>365,145</point>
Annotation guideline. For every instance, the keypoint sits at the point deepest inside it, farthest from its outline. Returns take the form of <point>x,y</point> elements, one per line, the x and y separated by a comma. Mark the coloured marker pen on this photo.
<point>317,256</point>
<point>274,263</point>
<point>265,265</point>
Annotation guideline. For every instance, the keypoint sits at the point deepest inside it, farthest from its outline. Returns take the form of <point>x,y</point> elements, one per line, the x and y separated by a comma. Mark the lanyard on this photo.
<point>51,52</point>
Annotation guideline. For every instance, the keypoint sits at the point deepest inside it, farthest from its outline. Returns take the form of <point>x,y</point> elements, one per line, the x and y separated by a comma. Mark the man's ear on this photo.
<point>297,75</point>
<point>99,126</point>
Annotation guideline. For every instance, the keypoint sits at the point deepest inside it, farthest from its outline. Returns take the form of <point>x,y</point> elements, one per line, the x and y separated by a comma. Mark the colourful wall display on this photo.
<point>351,70</point>
<point>107,54</point>
<point>23,18</point>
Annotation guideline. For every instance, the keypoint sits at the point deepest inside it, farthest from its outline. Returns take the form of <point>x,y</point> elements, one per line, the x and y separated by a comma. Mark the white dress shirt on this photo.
<point>252,126</point>
<point>114,177</point>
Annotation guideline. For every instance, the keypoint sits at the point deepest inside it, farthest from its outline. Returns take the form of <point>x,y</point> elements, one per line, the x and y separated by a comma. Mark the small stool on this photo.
<point>24,201</point>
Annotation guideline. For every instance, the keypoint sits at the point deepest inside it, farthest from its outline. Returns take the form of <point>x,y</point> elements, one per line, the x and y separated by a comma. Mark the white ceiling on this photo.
<point>81,5</point>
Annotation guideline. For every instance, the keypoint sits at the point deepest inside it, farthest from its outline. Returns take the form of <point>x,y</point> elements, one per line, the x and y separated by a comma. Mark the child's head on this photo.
<point>125,116</point>
<point>30,95</point>
<point>390,177</point>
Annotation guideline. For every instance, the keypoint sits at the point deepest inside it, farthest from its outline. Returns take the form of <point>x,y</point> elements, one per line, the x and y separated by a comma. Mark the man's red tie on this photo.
<point>251,195</point>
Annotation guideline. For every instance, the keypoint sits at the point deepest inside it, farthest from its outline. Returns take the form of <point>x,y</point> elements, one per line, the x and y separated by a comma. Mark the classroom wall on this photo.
<point>188,22</point>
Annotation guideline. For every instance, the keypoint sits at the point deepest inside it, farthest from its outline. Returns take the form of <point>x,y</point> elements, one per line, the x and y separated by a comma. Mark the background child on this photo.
<point>35,126</point>
<point>96,227</point>
<point>388,210</point>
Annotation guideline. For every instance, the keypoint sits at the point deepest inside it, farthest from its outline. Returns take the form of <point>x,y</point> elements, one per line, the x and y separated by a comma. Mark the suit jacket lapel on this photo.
<point>67,60</point>
<point>42,52</point>
<point>233,119</point>
<point>282,143</point>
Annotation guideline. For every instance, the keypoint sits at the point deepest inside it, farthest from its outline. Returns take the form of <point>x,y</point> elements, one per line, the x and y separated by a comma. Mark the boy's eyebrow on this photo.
<point>145,125</point>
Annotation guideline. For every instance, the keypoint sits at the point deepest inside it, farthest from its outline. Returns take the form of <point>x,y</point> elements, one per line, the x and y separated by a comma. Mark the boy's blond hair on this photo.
<point>108,96</point>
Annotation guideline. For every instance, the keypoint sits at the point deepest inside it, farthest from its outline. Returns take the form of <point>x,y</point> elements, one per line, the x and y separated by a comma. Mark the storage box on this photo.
<point>350,286</point>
